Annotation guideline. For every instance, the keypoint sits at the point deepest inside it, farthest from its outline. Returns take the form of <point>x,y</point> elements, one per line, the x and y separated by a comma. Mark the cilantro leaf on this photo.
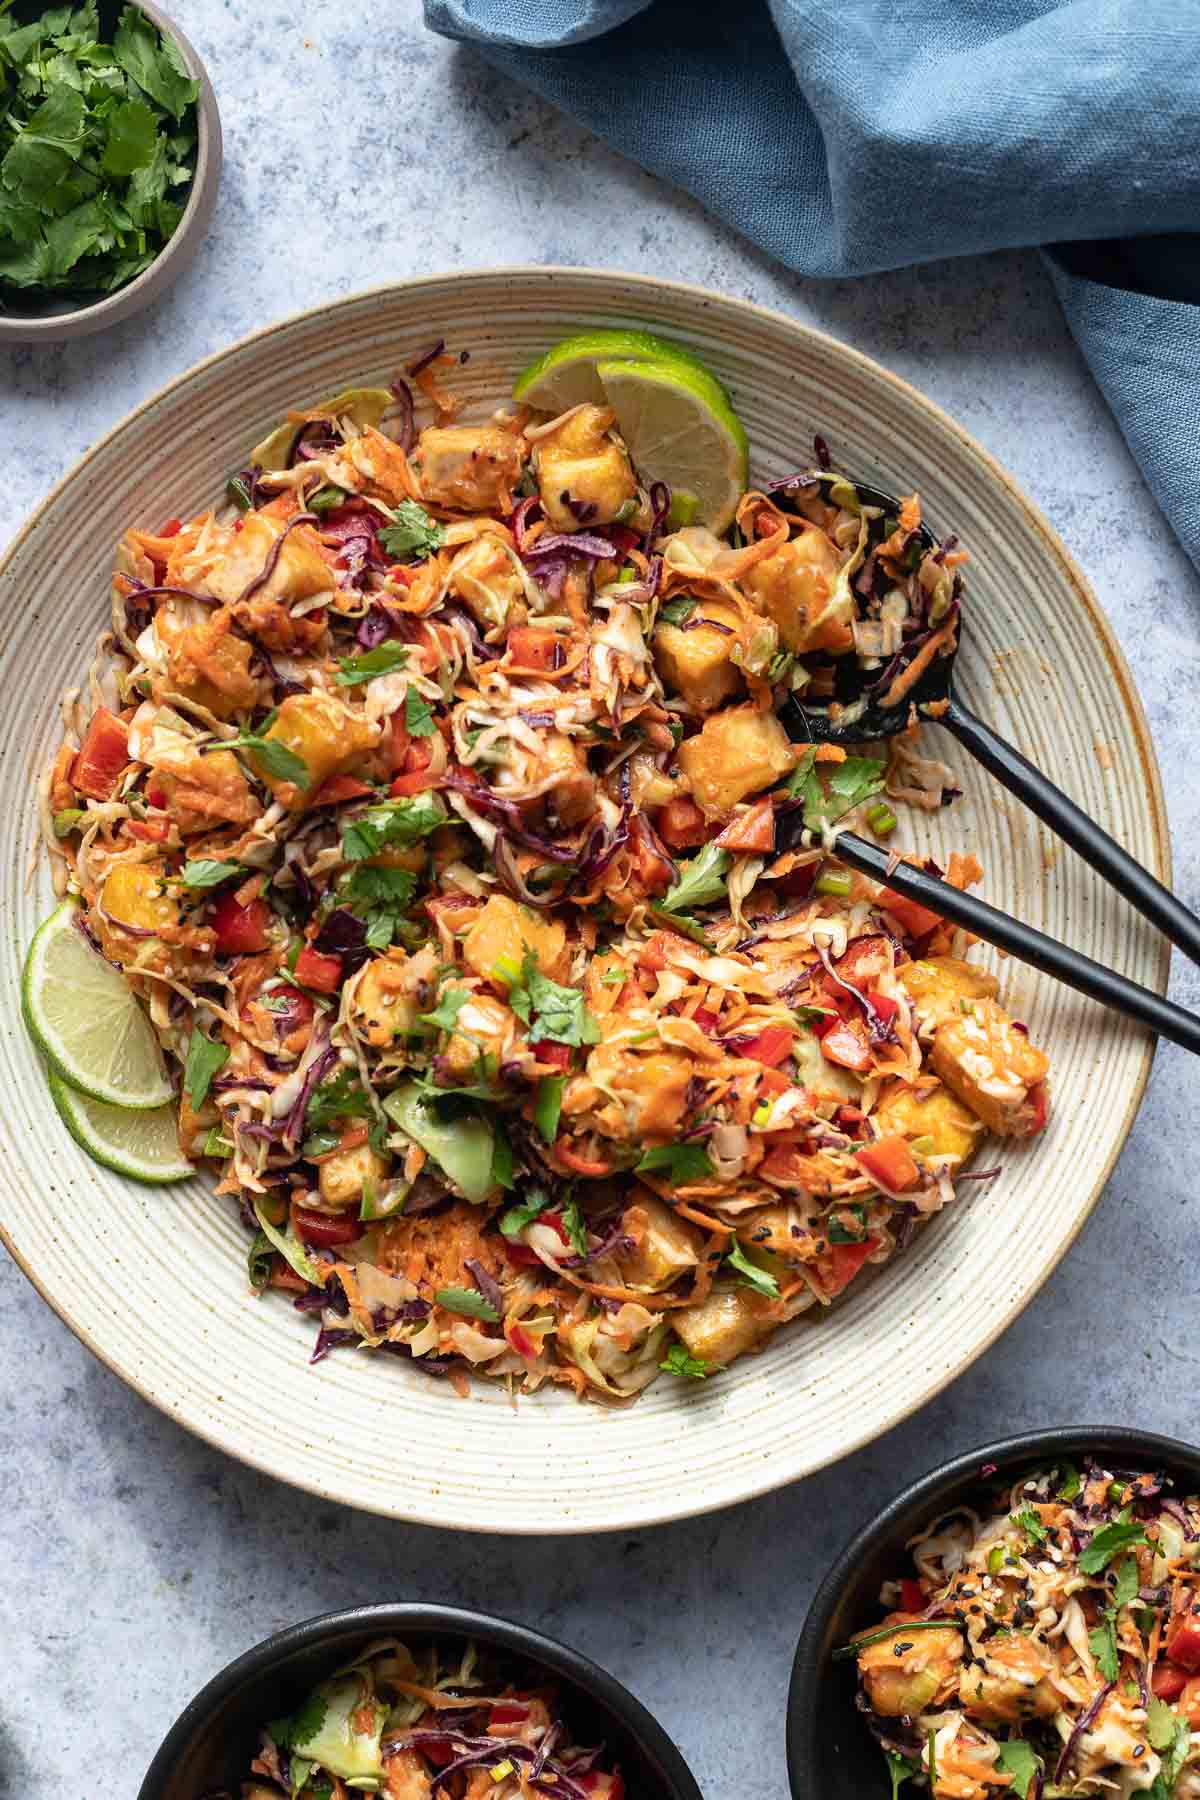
<point>413,533</point>
<point>384,660</point>
<point>549,1009</point>
<point>418,715</point>
<point>1030,1523</point>
<point>1108,1542</point>
<point>270,754</point>
<point>205,873</point>
<point>467,1301</point>
<point>381,897</point>
<point>395,822</point>
<point>444,1016</point>
<point>1102,1642</point>
<point>514,1221</point>
<point>547,1106</point>
<point>303,1726</point>
<point>901,1769</point>
<point>699,882</point>
<point>342,1097</point>
<point>751,1275</point>
<point>680,1361</point>
<point>682,1162</point>
<point>1018,1761</point>
<point>575,1228</point>
<point>204,1059</point>
<point>1162,1721</point>
<point>1126,1586</point>
<point>846,785</point>
<point>154,63</point>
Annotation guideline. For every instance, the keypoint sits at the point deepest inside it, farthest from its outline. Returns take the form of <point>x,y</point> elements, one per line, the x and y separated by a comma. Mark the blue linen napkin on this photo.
<point>848,136</point>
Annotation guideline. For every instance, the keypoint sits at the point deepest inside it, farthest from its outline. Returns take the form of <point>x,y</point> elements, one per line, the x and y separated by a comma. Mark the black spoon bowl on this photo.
<point>856,714</point>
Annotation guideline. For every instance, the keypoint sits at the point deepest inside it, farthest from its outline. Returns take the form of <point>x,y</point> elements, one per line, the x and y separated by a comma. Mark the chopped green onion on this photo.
<point>995,1559</point>
<point>924,1146</point>
<point>762,1113</point>
<point>881,819</point>
<point>67,821</point>
<point>838,885</point>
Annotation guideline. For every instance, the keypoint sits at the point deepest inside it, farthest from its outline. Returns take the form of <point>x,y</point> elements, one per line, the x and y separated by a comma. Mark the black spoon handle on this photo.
<point>1022,941</point>
<point>1018,775</point>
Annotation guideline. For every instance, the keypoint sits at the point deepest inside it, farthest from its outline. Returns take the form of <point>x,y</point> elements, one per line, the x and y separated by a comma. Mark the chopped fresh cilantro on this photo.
<point>383,661</point>
<point>901,1769</point>
<point>341,1097</point>
<point>548,1009</point>
<point>575,1228</point>
<point>1108,1542</point>
<point>1102,1642</point>
<point>418,715</point>
<point>444,1016</point>
<point>679,1361</point>
<point>205,873</point>
<point>1162,1721</point>
<point>514,1221</point>
<point>269,754</point>
<point>846,785</point>
<point>699,882</point>
<point>412,533</point>
<point>674,612</point>
<point>1019,1763</point>
<point>380,897</point>
<point>1126,1586</point>
<point>682,1162</point>
<point>258,1262</point>
<point>840,1233</point>
<point>303,1726</point>
<point>547,1106</point>
<point>399,823</point>
<point>751,1275</point>
<point>204,1059</point>
<point>1030,1523</point>
<point>467,1301</point>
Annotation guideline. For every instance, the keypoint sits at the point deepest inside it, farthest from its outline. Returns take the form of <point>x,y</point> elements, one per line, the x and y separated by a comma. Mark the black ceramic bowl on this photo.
<point>831,1754</point>
<point>212,1742</point>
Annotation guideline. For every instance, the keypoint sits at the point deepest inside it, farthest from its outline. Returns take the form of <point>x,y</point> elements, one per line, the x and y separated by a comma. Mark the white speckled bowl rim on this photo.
<point>153,1280</point>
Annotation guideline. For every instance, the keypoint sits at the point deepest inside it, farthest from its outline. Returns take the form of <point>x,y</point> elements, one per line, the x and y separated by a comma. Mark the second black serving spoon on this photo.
<point>857,693</point>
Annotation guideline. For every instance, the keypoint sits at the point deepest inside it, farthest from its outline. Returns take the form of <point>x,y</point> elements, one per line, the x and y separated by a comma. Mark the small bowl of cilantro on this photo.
<point>110,154</point>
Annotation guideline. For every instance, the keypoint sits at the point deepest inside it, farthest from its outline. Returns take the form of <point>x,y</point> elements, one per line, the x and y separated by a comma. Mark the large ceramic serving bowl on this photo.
<point>209,1747</point>
<point>153,1281</point>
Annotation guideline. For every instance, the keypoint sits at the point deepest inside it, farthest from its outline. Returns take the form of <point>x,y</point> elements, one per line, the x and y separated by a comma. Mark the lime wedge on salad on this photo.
<point>673,413</point>
<point>87,1021</point>
<point>143,1144</point>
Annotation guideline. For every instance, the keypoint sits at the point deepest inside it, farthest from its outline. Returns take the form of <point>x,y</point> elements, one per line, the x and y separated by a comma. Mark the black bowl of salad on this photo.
<point>1024,1621</point>
<point>420,1700</point>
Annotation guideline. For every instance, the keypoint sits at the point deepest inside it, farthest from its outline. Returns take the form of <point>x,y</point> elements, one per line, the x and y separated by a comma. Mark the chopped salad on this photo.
<point>428,795</point>
<point>411,1724</point>
<point>1050,1647</point>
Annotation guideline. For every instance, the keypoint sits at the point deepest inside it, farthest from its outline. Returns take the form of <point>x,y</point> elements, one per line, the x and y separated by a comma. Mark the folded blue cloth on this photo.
<point>847,136</point>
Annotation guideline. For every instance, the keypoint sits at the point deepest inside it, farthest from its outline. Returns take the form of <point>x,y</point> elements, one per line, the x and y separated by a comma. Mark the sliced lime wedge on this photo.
<point>139,1143</point>
<point>566,374</point>
<point>681,429</point>
<point>86,1019</point>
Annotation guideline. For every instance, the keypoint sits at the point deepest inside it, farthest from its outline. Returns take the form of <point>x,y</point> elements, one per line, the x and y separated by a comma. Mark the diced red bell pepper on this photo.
<point>284,1276</point>
<point>507,1712</point>
<point>890,1162</point>
<point>681,824</point>
<point>416,782</point>
<point>315,970</point>
<point>102,756</point>
<point>326,1229</point>
<point>753,830</point>
<point>845,1042</point>
<point>703,1018</point>
<point>556,1056</point>
<point>531,648</point>
<point>398,742</point>
<point>884,1005</point>
<point>240,930</point>
<point>1167,1681</point>
<point>172,528</point>
<point>770,1046</point>
<point>864,961</point>
<point>1183,1641</point>
<point>524,1346</point>
<point>556,1220</point>
<point>156,796</point>
<point>785,1164</point>
<point>439,1754</point>
<point>522,1255</point>
<point>914,920</point>
<point>148,831</point>
<point>1039,1099</point>
<point>338,788</point>
<point>843,1262</point>
<point>912,1596</point>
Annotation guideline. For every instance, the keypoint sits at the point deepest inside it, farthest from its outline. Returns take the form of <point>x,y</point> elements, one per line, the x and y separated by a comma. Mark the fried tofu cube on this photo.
<point>725,1325</point>
<point>992,1067</point>
<point>650,1090</point>
<point>939,984</point>
<point>797,587</point>
<point>664,1245</point>
<point>484,1028</point>
<point>344,1173</point>
<point>135,894</point>
<point>584,475</point>
<point>698,663</point>
<point>468,468</point>
<point>383,1003</point>
<point>205,662</point>
<point>485,579</point>
<point>504,933</point>
<point>300,571</point>
<point>938,1114</point>
<point>736,753</point>
<point>325,734</point>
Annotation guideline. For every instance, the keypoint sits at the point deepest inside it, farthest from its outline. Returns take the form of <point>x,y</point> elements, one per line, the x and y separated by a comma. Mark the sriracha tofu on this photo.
<point>344,1173</point>
<point>584,476</point>
<point>797,588</point>
<point>468,468</point>
<point>300,571</point>
<point>328,738</point>
<point>992,1067</point>
<point>664,1245</point>
<point>736,753</point>
<point>725,1325</point>
<point>698,663</point>
<point>505,932</point>
<point>939,1115</point>
<point>939,985</point>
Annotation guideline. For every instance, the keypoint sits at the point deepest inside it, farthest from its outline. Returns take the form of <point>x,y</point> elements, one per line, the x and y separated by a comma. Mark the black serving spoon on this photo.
<point>859,716</point>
